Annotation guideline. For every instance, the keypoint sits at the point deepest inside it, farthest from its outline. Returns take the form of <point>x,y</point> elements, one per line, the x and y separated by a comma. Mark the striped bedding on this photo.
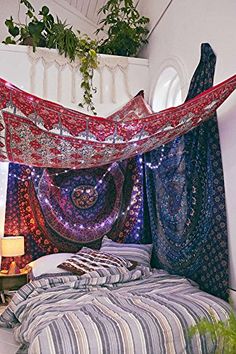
<point>121,312</point>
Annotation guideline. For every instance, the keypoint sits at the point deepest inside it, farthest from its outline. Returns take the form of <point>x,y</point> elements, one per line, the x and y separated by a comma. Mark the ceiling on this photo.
<point>89,8</point>
<point>152,9</point>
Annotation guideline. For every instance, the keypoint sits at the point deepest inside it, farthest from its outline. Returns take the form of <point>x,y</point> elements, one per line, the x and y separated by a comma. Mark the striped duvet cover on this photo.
<point>123,312</point>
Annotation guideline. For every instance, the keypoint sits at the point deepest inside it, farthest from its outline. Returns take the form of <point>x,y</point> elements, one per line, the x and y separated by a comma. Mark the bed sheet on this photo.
<point>141,311</point>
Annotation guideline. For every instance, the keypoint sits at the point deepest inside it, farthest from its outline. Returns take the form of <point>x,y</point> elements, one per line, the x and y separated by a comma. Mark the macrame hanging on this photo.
<point>41,133</point>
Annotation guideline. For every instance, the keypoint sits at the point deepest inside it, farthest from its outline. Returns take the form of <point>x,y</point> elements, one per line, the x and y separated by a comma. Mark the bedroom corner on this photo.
<point>117,169</point>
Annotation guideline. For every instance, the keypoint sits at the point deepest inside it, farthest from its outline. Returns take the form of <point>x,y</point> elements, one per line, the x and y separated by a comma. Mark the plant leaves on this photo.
<point>14,31</point>
<point>125,28</point>
<point>9,23</point>
<point>36,28</point>
<point>44,11</point>
<point>45,32</point>
<point>27,4</point>
<point>9,40</point>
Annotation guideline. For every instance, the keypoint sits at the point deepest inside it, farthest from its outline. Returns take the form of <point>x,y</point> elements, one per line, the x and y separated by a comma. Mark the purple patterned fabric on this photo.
<point>63,210</point>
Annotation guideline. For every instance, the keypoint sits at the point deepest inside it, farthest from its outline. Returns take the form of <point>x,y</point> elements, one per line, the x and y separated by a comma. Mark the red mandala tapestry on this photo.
<point>41,133</point>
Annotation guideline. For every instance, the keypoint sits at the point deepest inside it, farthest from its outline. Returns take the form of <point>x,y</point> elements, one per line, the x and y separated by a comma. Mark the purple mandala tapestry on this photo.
<point>62,210</point>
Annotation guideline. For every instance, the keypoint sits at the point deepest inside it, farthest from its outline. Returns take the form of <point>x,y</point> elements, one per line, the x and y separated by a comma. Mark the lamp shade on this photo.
<point>13,246</point>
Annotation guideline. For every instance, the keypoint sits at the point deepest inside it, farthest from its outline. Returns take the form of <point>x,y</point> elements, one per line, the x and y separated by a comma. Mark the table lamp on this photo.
<point>13,246</point>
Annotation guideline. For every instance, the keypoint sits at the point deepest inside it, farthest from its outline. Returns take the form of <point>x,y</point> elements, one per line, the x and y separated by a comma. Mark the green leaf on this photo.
<point>36,28</point>
<point>9,40</point>
<point>44,11</point>
<point>50,19</point>
<point>126,30</point>
<point>30,14</point>
<point>24,32</point>
<point>224,332</point>
<point>14,31</point>
<point>9,23</point>
<point>27,4</point>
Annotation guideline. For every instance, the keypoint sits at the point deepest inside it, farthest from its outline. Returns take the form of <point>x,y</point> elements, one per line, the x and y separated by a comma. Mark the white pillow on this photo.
<point>48,264</point>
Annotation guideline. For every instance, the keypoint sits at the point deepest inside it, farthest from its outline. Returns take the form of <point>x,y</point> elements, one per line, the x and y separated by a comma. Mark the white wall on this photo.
<point>176,41</point>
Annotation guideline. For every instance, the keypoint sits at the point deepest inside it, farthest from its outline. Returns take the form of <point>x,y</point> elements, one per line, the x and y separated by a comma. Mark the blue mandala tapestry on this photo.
<point>186,198</point>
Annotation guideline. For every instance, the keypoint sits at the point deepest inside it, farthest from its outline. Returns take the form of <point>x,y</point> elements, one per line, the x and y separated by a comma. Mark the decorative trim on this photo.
<point>50,57</point>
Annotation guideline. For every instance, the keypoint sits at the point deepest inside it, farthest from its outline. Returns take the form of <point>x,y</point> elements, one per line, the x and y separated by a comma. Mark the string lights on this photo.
<point>133,208</point>
<point>35,177</point>
<point>132,213</point>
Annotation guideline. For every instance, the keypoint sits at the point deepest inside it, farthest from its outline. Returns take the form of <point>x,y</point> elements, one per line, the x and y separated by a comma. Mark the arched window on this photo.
<point>167,92</point>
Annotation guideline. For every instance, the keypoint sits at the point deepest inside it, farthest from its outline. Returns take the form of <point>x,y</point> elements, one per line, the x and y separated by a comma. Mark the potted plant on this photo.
<point>125,29</point>
<point>223,332</point>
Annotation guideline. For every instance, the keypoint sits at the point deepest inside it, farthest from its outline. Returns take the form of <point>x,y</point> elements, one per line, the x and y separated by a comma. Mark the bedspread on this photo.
<point>127,312</point>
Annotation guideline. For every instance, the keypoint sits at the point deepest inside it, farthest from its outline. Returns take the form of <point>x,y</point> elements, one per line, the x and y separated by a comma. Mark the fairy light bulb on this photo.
<point>7,84</point>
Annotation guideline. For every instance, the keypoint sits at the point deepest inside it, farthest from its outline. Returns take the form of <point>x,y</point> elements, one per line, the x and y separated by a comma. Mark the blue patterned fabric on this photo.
<point>186,199</point>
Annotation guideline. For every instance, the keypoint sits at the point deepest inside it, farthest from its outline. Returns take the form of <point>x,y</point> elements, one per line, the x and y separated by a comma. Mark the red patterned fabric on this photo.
<point>136,108</point>
<point>37,132</point>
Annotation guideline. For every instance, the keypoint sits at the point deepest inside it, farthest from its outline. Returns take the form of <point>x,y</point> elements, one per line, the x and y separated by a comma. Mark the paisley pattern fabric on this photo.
<point>186,200</point>
<point>43,205</point>
<point>43,134</point>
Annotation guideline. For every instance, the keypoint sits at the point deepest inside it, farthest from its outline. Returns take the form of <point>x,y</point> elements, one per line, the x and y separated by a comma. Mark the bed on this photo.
<point>110,311</point>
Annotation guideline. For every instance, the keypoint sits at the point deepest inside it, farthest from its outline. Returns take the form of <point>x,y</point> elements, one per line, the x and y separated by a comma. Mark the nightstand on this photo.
<point>12,282</point>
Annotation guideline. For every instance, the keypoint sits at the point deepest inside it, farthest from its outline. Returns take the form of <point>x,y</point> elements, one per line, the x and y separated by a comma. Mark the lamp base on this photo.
<point>13,269</point>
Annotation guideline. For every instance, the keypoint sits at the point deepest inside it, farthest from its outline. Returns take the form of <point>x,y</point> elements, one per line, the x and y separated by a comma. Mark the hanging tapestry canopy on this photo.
<point>41,133</point>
